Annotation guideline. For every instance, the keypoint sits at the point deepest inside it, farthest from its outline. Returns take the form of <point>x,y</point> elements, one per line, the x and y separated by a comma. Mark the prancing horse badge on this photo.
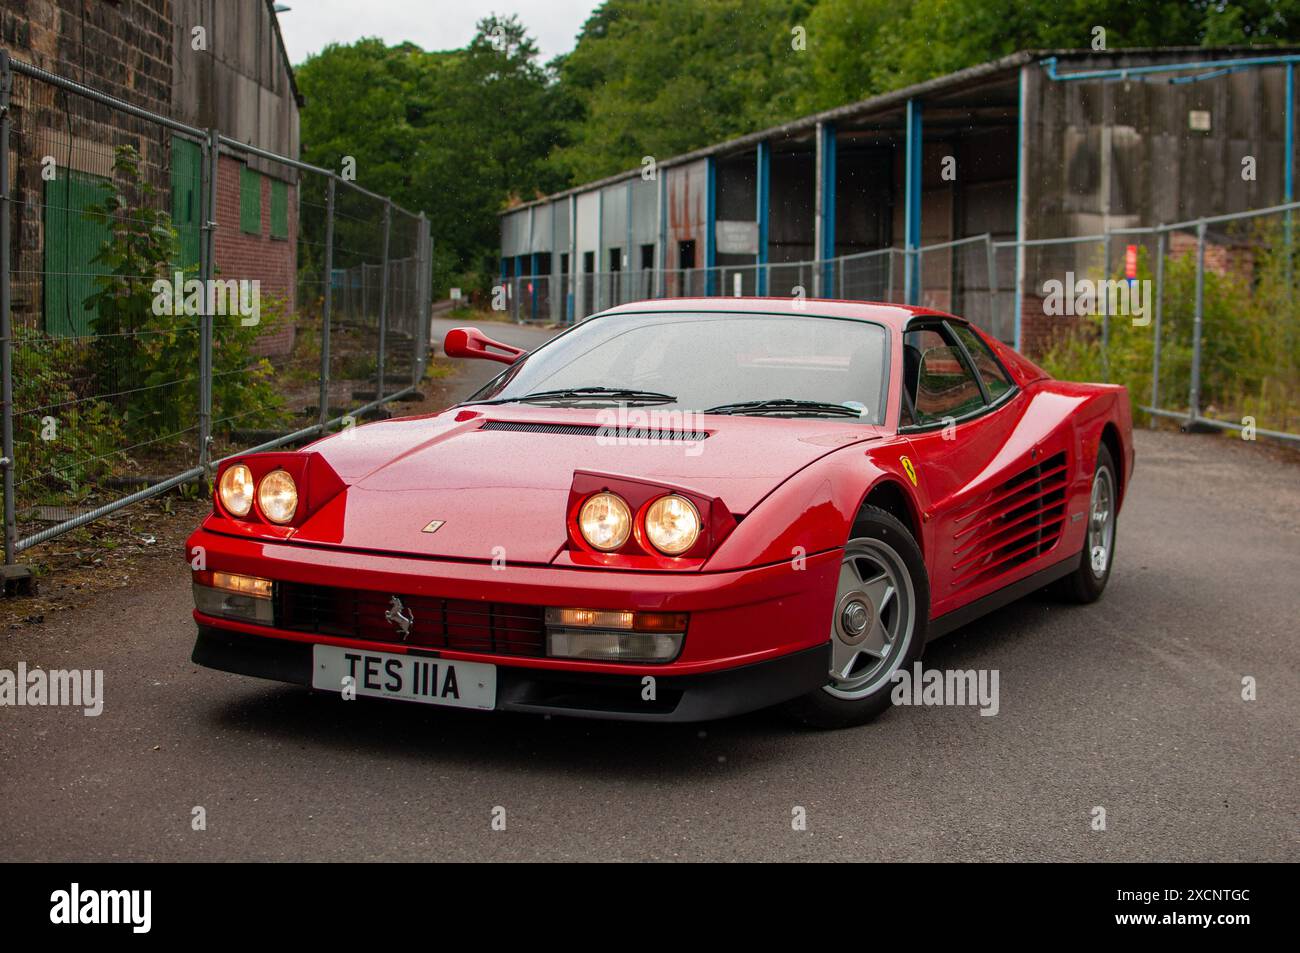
<point>433,527</point>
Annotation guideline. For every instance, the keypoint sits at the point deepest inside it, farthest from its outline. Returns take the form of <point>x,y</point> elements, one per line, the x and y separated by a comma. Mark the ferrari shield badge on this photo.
<point>908,469</point>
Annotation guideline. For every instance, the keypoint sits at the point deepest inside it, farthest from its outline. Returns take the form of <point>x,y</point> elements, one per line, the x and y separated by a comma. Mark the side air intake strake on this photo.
<point>1018,521</point>
<point>587,430</point>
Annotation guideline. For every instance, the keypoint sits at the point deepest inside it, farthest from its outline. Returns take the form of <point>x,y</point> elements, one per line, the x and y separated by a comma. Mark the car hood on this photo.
<point>498,478</point>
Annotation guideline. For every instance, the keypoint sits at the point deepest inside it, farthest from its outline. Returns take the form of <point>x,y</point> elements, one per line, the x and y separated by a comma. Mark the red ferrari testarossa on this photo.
<point>674,510</point>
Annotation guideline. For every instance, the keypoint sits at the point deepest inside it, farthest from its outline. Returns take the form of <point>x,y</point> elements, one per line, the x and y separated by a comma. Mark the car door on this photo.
<point>992,502</point>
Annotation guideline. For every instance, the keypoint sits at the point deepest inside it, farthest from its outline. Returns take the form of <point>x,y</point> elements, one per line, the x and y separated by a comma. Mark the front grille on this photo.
<point>459,624</point>
<point>589,430</point>
<point>1020,520</point>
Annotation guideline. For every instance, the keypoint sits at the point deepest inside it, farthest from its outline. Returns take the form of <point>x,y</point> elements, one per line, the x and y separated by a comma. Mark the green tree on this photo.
<point>666,77</point>
<point>455,134</point>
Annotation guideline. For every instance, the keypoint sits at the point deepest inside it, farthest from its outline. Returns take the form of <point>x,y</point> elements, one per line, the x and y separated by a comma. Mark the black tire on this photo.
<point>819,708</point>
<point>1084,585</point>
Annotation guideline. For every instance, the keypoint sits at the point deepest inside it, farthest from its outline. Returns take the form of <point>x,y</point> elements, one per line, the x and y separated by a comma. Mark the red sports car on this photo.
<point>673,511</point>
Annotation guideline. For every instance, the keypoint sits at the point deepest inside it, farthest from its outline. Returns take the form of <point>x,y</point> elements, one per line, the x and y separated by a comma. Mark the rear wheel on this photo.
<point>881,614</point>
<point>1088,580</point>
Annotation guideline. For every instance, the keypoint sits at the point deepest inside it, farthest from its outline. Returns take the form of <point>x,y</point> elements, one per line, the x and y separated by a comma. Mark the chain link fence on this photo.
<point>171,297</point>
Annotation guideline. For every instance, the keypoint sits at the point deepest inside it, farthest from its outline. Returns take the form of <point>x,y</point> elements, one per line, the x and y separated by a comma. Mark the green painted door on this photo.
<point>72,239</point>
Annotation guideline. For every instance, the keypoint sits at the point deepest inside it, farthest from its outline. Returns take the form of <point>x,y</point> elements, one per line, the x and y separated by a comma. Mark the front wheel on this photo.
<point>881,615</point>
<point>1089,578</point>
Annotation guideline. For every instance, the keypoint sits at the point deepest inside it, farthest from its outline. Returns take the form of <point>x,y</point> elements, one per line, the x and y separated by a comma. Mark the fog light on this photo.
<point>231,596</point>
<point>614,635</point>
<point>600,645</point>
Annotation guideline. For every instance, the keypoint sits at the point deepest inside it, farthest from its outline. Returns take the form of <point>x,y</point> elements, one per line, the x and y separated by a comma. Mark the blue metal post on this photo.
<point>532,281</point>
<point>827,250</point>
<point>912,204</point>
<point>710,225</point>
<point>762,192</point>
<point>519,286</point>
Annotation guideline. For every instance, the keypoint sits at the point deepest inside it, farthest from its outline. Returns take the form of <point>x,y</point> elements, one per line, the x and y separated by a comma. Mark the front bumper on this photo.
<point>678,698</point>
<point>755,637</point>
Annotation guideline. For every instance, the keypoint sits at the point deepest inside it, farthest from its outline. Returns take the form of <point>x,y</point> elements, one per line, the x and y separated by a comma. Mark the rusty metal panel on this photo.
<point>686,186</point>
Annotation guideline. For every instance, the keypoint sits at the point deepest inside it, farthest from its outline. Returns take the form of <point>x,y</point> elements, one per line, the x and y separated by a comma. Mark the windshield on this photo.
<point>703,361</point>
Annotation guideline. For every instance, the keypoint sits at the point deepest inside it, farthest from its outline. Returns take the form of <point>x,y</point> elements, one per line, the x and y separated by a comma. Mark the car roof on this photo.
<point>894,316</point>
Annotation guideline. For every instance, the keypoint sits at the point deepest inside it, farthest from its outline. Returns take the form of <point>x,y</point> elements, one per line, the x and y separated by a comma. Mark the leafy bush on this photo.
<point>47,375</point>
<point>149,361</point>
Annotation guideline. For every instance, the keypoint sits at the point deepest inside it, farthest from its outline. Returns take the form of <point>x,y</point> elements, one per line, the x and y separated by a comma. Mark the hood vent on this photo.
<point>588,430</point>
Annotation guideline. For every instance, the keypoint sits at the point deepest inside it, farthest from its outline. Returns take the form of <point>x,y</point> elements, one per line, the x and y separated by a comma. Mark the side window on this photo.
<point>938,379</point>
<point>986,365</point>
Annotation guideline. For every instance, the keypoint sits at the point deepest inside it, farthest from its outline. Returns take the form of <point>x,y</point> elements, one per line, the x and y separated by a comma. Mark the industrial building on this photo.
<point>883,199</point>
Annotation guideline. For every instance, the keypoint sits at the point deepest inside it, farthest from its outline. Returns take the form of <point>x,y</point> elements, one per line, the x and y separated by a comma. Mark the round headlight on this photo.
<point>277,496</point>
<point>605,521</point>
<point>236,490</point>
<point>673,524</point>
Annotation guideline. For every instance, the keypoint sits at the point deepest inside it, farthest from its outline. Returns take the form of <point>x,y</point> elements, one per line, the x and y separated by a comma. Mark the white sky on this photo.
<point>433,24</point>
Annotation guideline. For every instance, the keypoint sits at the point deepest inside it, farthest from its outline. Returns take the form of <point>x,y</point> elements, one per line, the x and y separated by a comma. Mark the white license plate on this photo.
<point>413,678</point>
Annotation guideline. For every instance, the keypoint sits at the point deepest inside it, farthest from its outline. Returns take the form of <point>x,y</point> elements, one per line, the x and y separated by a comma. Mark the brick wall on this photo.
<point>272,261</point>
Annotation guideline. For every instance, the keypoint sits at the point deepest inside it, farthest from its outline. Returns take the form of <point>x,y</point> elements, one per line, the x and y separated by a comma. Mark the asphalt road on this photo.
<point>1133,705</point>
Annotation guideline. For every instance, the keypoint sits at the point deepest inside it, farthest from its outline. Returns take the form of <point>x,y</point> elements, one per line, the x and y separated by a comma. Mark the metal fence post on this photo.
<point>1104,303</point>
<point>327,305</point>
<point>6,327</point>
<point>1161,238</point>
<point>383,302</point>
<point>991,254</point>
<point>1194,397</point>
<point>207,269</point>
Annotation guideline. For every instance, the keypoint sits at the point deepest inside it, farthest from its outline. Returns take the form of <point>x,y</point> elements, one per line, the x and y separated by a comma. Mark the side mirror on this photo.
<point>473,343</point>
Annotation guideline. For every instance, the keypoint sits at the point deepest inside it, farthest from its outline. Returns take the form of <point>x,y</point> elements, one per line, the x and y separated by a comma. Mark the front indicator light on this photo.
<point>232,596</point>
<point>277,496</point>
<point>605,521</point>
<point>614,635</point>
<point>672,524</point>
<point>244,585</point>
<point>237,490</point>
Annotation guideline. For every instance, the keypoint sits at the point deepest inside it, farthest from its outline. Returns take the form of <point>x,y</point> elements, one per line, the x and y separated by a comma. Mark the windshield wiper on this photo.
<point>621,394</point>
<point>789,405</point>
